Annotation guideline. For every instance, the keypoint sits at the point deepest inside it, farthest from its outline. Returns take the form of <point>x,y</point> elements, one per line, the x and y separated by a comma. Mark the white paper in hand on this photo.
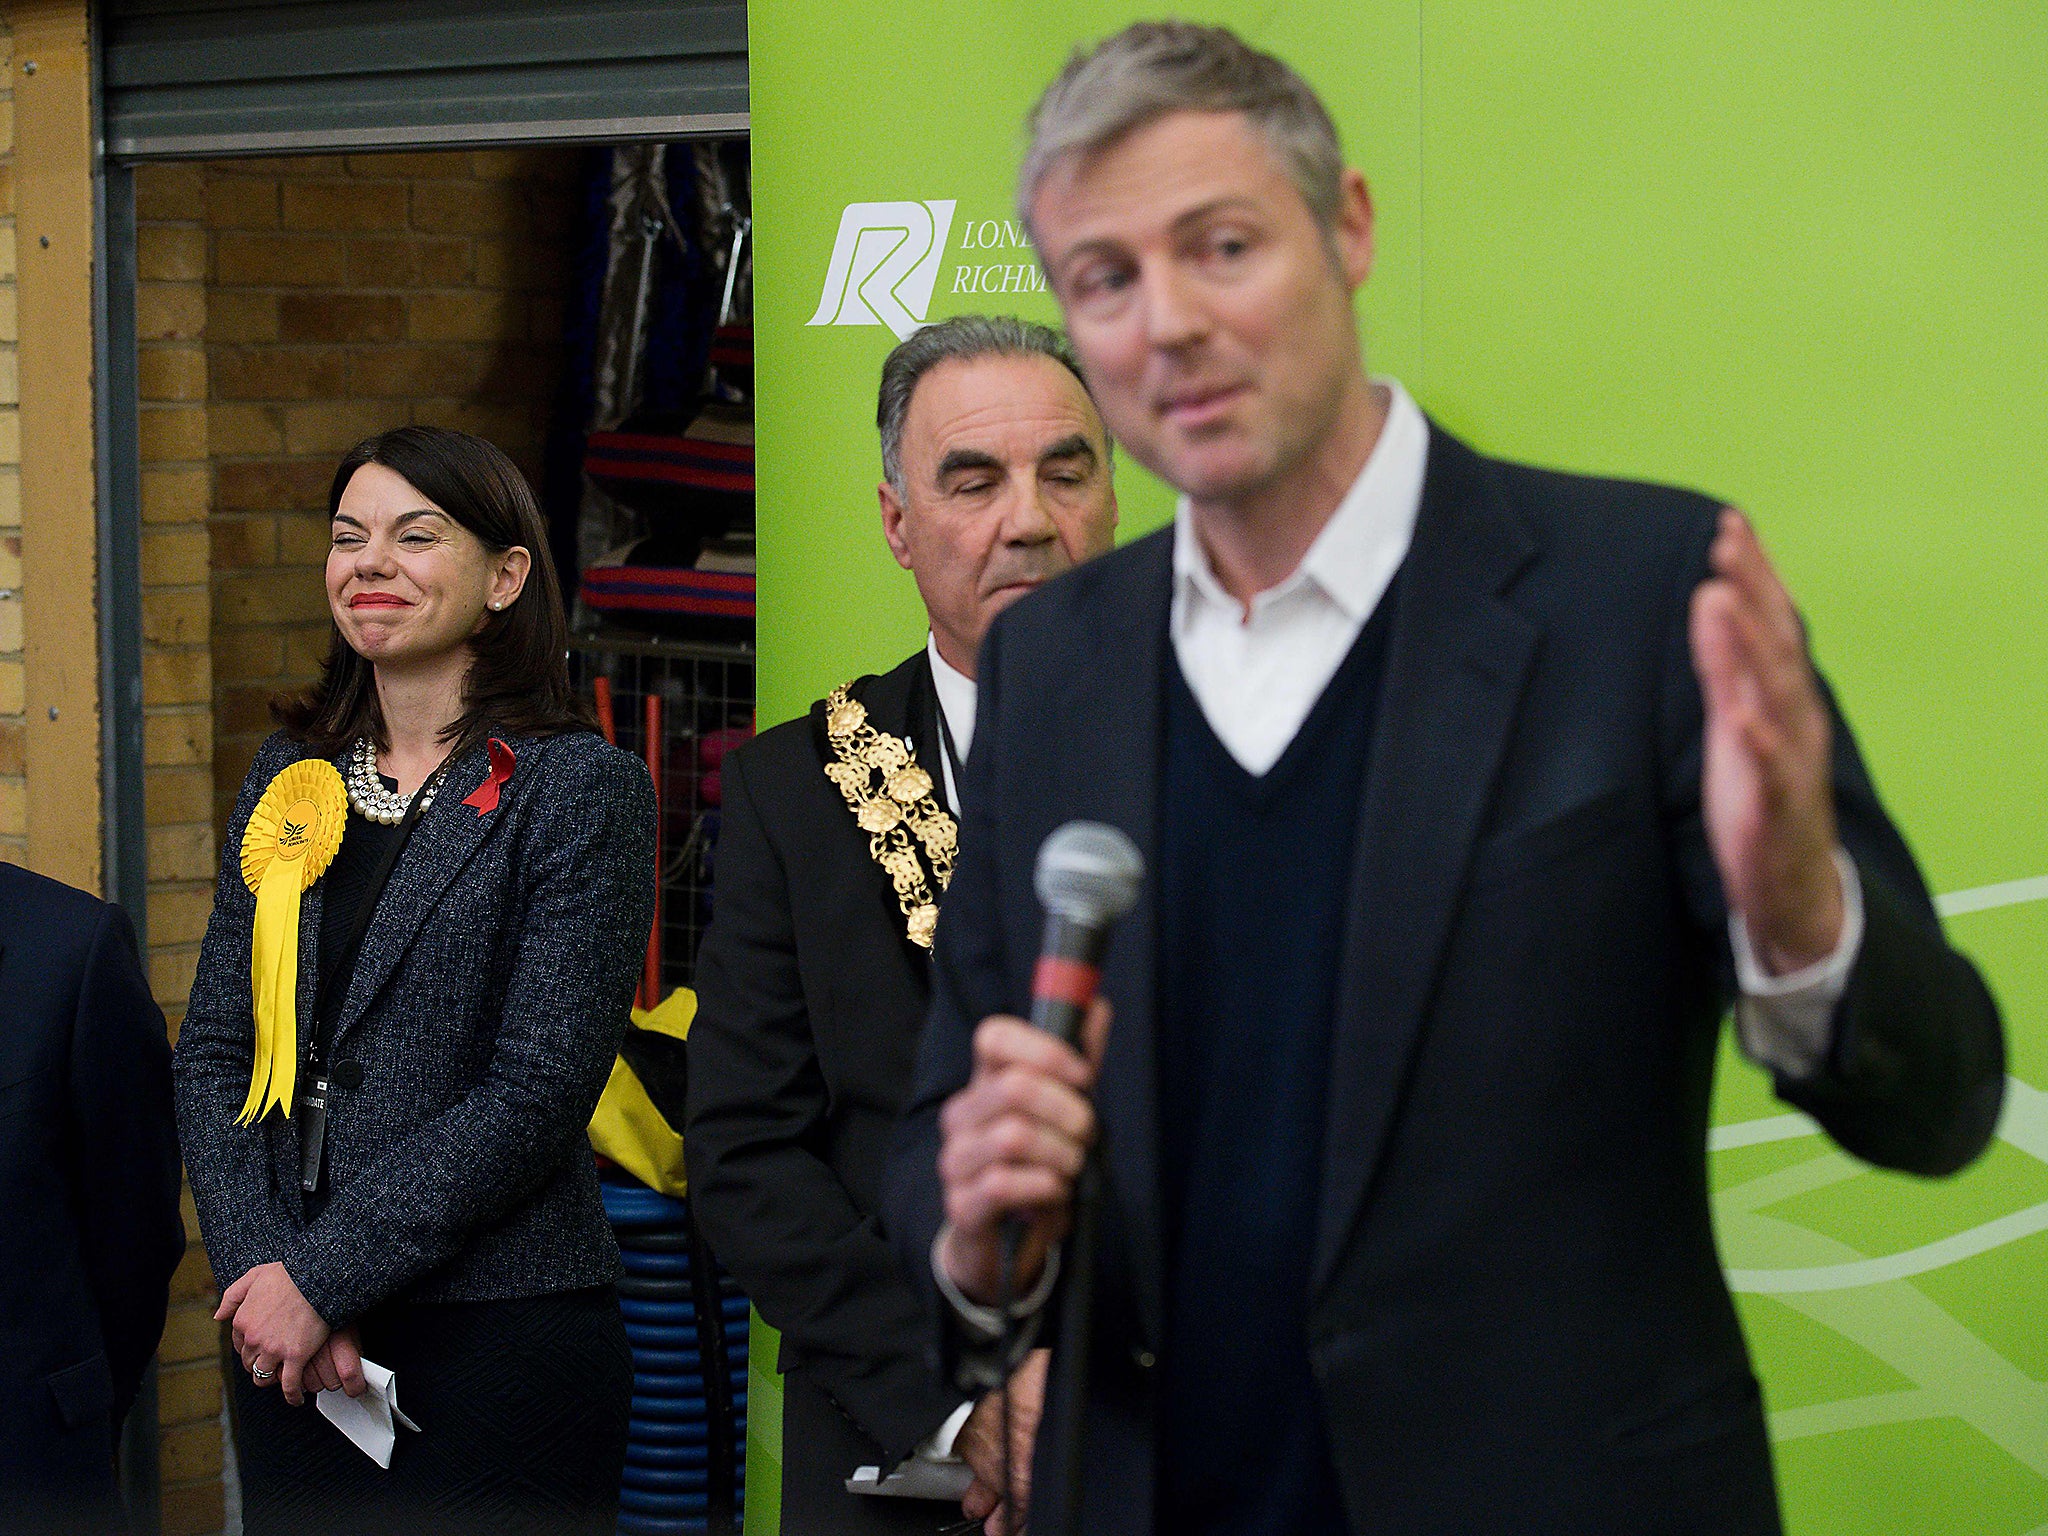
<point>368,1419</point>
<point>917,1478</point>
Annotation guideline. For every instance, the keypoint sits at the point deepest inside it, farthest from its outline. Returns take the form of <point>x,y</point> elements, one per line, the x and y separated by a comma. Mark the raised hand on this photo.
<point>1765,782</point>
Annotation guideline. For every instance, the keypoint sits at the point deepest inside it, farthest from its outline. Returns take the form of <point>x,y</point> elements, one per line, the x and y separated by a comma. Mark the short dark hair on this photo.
<point>963,338</point>
<point>519,677</point>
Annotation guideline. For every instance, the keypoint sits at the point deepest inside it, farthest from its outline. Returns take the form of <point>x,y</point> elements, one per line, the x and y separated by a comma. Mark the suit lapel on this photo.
<point>1457,663</point>
<point>1115,716</point>
<point>448,832</point>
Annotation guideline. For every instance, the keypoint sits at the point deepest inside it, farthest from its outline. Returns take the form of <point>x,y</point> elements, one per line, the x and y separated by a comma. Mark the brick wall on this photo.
<point>284,309</point>
<point>177,689</point>
<point>13,674</point>
<point>177,695</point>
<point>347,295</point>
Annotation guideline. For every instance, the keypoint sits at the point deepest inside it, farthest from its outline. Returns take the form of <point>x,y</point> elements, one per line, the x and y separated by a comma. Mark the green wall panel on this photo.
<point>1796,256</point>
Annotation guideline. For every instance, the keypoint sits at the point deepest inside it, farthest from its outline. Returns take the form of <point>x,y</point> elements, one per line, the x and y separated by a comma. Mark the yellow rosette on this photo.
<point>291,839</point>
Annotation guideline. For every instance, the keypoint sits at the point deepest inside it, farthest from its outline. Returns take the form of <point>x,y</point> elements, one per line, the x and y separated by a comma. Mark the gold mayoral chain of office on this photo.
<point>291,839</point>
<point>891,798</point>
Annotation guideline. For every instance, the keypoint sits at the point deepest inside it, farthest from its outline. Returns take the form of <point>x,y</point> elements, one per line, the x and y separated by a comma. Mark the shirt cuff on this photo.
<point>940,1446</point>
<point>985,1324</point>
<point>1786,1023</point>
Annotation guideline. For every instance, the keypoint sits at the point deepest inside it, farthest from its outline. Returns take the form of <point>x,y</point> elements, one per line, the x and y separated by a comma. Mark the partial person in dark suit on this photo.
<point>1470,796</point>
<point>814,979</point>
<point>89,1194</point>
<point>465,965</point>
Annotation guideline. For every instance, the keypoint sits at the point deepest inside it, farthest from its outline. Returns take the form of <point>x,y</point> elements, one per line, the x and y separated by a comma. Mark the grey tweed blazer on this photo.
<point>488,1001</point>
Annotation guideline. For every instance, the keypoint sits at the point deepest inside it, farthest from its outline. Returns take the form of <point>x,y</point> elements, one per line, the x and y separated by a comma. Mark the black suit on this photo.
<point>810,1000</point>
<point>89,1192</point>
<point>1517,1322</point>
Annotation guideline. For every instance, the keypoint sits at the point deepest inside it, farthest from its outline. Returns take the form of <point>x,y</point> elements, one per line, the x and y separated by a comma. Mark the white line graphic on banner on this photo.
<point>1754,1133</point>
<point>1982,898</point>
<point>1870,1301</point>
<point>884,264</point>
<point>1895,1266</point>
<point>2023,1124</point>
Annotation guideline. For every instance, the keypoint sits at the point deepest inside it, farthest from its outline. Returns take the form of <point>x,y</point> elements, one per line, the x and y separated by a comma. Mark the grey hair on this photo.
<point>1153,68</point>
<point>960,339</point>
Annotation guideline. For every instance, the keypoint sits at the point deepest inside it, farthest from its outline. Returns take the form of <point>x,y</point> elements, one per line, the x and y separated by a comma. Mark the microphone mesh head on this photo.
<point>1089,873</point>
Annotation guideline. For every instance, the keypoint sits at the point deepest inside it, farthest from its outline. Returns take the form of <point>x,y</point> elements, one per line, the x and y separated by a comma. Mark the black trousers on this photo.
<point>521,1406</point>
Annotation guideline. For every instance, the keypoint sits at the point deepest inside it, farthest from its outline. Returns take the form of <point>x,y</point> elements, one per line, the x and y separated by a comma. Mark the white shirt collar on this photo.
<point>1355,556</point>
<point>956,697</point>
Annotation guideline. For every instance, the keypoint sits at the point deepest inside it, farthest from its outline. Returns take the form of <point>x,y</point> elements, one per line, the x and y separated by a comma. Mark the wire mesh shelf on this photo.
<point>700,697</point>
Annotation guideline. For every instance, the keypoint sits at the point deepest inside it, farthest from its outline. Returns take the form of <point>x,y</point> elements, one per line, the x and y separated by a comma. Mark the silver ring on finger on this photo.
<point>259,1375</point>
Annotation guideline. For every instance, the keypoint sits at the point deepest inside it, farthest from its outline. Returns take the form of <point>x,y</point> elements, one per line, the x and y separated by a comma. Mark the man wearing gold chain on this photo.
<point>813,981</point>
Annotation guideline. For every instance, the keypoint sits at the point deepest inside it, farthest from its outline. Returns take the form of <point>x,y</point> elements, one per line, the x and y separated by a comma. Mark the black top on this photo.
<point>349,880</point>
<point>810,999</point>
<point>1252,880</point>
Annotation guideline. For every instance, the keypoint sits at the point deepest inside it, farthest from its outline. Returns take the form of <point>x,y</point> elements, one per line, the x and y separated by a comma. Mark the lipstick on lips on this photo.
<point>377,600</point>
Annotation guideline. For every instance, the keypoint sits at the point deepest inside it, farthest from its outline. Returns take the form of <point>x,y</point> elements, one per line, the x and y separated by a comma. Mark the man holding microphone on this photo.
<point>1470,795</point>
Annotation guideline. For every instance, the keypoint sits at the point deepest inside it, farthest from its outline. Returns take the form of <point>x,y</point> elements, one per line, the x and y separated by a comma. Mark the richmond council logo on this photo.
<point>884,264</point>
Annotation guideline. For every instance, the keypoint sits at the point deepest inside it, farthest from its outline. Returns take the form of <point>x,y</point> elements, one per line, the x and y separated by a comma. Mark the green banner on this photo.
<point>1797,256</point>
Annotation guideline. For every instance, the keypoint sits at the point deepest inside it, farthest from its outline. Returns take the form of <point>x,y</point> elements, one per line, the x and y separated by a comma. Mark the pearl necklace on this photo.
<point>367,794</point>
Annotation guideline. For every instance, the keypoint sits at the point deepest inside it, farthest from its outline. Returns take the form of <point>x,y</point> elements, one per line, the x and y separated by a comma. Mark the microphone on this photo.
<point>1087,876</point>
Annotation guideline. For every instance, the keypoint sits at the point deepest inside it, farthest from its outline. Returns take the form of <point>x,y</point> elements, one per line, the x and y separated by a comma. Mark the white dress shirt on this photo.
<point>1258,669</point>
<point>956,699</point>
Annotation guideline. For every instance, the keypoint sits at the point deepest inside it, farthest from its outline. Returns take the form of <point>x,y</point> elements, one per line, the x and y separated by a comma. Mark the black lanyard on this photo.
<point>957,779</point>
<point>312,1107</point>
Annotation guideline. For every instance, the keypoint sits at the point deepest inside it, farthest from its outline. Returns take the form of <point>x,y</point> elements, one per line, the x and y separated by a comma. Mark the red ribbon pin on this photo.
<point>485,796</point>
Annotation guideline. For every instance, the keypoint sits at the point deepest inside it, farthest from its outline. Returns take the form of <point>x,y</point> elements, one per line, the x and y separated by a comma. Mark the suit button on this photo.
<point>1143,1359</point>
<point>347,1074</point>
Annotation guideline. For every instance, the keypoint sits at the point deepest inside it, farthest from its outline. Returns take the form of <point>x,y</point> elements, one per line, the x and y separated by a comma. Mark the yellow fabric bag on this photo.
<point>627,1128</point>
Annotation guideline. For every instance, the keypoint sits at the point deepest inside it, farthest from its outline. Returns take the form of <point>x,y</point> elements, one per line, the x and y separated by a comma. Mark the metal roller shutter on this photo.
<point>225,77</point>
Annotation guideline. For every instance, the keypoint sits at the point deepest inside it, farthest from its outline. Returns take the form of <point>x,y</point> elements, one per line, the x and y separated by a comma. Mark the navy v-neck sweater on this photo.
<point>1253,885</point>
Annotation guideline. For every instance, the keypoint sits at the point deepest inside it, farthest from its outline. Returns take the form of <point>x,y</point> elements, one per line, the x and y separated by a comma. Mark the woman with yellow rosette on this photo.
<point>433,903</point>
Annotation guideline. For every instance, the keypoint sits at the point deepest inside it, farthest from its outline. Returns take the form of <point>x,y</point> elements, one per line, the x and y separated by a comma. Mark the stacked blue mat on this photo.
<point>687,1323</point>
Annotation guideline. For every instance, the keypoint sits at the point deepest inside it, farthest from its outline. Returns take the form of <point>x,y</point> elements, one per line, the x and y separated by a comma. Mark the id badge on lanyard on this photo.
<point>312,1117</point>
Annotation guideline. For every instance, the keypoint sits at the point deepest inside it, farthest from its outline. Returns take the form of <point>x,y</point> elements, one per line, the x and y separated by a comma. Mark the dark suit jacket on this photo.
<point>89,1192</point>
<point>1517,1319</point>
<point>485,1010</point>
<point>810,1000</point>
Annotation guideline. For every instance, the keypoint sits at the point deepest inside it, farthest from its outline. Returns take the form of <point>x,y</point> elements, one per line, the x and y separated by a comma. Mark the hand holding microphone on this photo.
<point>1014,1140</point>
